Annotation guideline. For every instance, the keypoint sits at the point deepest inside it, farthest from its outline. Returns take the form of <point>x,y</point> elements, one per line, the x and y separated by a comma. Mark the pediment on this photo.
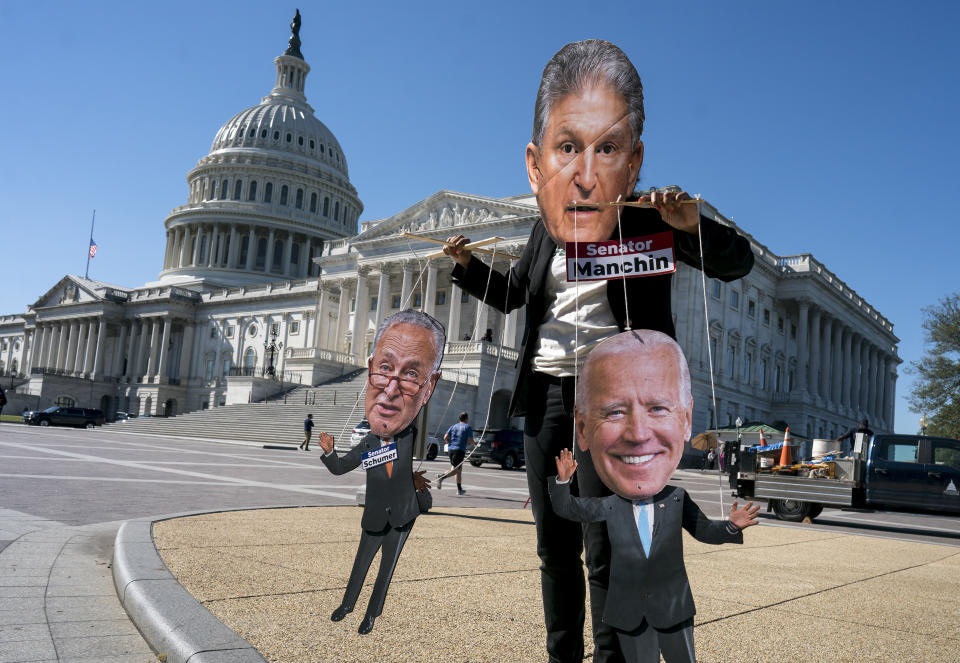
<point>68,290</point>
<point>444,209</point>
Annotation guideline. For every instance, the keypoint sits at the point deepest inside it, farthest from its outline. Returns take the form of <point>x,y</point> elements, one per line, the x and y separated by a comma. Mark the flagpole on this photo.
<point>86,272</point>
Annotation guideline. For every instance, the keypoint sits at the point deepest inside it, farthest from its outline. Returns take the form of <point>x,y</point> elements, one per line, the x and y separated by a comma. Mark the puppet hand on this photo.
<point>744,517</point>
<point>326,442</point>
<point>682,217</point>
<point>565,465</point>
<point>420,482</point>
<point>459,254</point>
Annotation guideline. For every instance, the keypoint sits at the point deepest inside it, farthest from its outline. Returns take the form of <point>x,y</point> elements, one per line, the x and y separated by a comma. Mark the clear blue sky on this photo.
<point>828,128</point>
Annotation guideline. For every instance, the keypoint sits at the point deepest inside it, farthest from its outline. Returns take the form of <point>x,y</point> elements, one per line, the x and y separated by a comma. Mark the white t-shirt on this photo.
<point>578,318</point>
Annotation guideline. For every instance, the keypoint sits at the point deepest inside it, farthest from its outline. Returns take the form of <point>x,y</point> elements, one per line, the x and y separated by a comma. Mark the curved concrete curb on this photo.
<point>169,618</point>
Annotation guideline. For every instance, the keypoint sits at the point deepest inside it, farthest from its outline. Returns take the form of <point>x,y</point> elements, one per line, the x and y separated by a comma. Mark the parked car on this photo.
<point>359,432</point>
<point>65,416</point>
<point>122,416</point>
<point>433,447</point>
<point>501,446</point>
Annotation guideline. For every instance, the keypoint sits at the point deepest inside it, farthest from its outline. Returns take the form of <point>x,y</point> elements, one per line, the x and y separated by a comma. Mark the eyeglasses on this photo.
<point>407,386</point>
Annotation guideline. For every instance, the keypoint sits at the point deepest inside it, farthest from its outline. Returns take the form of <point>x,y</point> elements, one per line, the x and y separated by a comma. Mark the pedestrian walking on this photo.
<point>457,438</point>
<point>307,430</point>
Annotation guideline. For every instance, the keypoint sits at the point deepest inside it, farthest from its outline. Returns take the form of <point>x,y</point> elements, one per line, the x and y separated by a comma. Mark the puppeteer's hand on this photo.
<point>566,465</point>
<point>421,482</point>
<point>326,442</point>
<point>459,254</point>
<point>744,517</point>
<point>684,217</point>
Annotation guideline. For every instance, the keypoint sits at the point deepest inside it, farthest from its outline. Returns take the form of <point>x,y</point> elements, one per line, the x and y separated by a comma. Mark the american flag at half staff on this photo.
<point>93,248</point>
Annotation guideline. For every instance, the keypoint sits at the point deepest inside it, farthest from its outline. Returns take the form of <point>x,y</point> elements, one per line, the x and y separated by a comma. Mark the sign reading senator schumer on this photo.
<point>636,256</point>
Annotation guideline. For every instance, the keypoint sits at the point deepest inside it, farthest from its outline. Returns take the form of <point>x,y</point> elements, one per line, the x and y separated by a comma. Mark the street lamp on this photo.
<point>923,424</point>
<point>270,345</point>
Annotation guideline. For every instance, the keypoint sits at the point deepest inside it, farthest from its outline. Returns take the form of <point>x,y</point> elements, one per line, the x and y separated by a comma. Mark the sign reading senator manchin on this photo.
<point>636,256</point>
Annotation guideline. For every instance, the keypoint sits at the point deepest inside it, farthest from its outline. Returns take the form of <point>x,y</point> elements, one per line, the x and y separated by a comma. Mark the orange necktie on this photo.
<point>389,463</point>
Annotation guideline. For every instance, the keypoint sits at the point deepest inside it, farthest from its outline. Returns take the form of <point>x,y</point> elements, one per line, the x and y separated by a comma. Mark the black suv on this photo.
<point>500,446</point>
<point>65,416</point>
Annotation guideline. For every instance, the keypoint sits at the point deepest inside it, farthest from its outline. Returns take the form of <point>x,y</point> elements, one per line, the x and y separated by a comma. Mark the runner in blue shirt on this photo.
<point>457,438</point>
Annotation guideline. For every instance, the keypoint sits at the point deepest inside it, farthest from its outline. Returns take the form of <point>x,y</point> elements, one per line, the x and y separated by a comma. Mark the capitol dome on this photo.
<point>272,190</point>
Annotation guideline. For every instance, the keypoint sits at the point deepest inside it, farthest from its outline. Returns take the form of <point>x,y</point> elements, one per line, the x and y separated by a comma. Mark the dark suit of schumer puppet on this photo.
<point>388,513</point>
<point>654,589</point>
<point>547,403</point>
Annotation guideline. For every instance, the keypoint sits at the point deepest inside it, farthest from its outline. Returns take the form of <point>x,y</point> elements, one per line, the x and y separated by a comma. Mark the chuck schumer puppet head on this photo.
<point>633,411</point>
<point>586,145</point>
<point>404,370</point>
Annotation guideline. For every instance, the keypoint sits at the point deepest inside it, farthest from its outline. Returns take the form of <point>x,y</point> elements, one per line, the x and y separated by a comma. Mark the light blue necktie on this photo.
<point>643,527</point>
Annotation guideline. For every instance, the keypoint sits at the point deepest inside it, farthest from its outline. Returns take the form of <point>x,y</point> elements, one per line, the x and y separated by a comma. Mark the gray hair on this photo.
<point>418,319</point>
<point>638,340</point>
<point>580,64</point>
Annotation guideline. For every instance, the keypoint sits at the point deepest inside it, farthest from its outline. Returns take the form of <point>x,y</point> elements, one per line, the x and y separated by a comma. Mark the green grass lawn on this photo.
<point>12,418</point>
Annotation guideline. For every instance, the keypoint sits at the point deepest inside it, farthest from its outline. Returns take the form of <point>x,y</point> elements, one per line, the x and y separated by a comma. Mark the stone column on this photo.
<point>862,397</point>
<point>881,387</point>
<point>185,245</point>
<point>814,364</point>
<point>232,248</point>
<point>826,367</point>
<point>453,320</point>
<point>383,291</point>
<point>890,392</point>
<point>131,369</point>
<point>430,305</point>
<point>73,348</point>
<point>269,265</point>
<point>286,268</point>
<point>138,371</point>
<point>26,354</point>
<point>305,259</point>
<point>483,317</point>
<point>836,365</point>
<point>802,349</point>
<point>407,285</point>
<point>88,354</point>
<point>164,351</point>
<point>847,361</point>
<point>343,313</point>
<point>872,388</point>
<point>359,340</point>
<point>251,249</point>
<point>40,338</point>
<point>221,334</point>
<point>116,370</point>
<point>211,255</point>
<point>320,318</point>
<point>852,397</point>
<point>195,254</point>
<point>281,360</point>
<point>189,331</point>
<point>152,351</point>
<point>510,335</point>
<point>63,345</point>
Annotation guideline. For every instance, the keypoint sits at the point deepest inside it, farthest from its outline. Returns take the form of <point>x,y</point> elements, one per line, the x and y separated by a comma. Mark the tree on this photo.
<point>936,391</point>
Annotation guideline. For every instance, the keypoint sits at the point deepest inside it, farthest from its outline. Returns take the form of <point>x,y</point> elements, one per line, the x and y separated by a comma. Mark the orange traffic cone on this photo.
<point>763,442</point>
<point>785,456</point>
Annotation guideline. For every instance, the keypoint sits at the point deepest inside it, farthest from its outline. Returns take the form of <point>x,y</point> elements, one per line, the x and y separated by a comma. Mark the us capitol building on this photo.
<point>265,285</point>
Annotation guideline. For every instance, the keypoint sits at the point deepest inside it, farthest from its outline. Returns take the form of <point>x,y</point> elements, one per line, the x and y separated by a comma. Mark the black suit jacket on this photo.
<point>654,588</point>
<point>727,256</point>
<point>389,499</point>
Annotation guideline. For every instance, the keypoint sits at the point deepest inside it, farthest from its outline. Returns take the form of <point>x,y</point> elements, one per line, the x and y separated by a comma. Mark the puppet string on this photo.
<point>496,368</point>
<point>459,370</point>
<point>626,305</point>
<point>706,326</point>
